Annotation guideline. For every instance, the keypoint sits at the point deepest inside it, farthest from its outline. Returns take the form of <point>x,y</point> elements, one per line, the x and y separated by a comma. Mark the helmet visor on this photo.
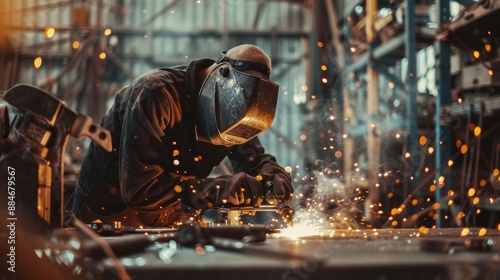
<point>234,107</point>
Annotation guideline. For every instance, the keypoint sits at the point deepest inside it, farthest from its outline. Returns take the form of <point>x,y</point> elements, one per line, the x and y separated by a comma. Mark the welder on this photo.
<point>169,128</point>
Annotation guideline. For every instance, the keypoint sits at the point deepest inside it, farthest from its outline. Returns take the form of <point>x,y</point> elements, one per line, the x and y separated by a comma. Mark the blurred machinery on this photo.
<point>399,66</point>
<point>35,129</point>
<point>475,93</point>
<point>390,22</point>
<point>8,62</point>
<point>475,33</point>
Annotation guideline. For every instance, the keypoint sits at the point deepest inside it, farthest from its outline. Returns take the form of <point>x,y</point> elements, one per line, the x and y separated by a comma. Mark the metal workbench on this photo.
<point>339,254</point>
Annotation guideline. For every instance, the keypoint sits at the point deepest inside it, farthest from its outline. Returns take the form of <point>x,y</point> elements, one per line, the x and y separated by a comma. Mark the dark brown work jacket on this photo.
<point>152,125</point>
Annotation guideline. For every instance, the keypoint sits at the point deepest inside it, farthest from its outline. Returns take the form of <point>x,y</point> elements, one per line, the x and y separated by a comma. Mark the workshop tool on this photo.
<point>123,245</point>
<point>197,236</point>
<point>229,231</point>
<point>281,206</point>
<point>167,250</point>
<point>232,215</point>
<point>186,235</point>
<point>35,129</point>
<point>450,246</point>
<point>192,234</point>
<point>126,240</point>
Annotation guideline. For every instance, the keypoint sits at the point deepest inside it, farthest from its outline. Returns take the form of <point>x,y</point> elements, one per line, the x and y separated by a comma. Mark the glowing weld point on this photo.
<point>298,231</point>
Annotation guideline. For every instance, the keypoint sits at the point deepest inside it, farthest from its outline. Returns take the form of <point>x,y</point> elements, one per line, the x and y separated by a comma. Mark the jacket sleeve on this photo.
<point>145,185</point>
<point>251,158</point>
<point>146,113</point>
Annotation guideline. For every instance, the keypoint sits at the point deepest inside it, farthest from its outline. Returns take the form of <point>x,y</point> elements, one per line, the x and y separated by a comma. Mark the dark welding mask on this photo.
<point>233,106</point>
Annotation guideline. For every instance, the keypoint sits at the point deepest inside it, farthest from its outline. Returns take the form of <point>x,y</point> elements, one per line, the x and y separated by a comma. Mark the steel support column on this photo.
<point>346,114</point>
<point>411,89</point>
<point>443,132</point>
<point>373,140</point>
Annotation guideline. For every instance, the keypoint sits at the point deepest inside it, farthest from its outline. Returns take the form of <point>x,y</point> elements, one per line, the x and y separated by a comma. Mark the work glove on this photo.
<point>239,189</point>
<point>278,180</point>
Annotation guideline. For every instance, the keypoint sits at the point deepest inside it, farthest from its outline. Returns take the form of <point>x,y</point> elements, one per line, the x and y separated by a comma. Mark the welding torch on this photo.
<point>281,205</point>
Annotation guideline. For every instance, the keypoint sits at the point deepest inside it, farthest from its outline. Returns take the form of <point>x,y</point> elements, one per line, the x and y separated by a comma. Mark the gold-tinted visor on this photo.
<point>234,107</point>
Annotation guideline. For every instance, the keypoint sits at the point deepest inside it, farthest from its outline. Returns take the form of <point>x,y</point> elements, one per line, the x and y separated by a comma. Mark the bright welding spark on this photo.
<point>298,231</point>
<point>328,207</point>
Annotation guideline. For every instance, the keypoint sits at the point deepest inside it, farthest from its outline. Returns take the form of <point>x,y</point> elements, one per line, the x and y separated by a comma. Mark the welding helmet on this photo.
<point>233,106</point>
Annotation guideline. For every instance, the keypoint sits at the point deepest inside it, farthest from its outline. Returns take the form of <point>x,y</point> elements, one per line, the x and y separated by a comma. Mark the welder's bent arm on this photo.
<point>144,183</point>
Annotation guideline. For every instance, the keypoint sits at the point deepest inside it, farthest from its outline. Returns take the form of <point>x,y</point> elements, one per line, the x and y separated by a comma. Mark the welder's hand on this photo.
<point>240,189</point>
<point>281,181</point>
<point>282,187</point>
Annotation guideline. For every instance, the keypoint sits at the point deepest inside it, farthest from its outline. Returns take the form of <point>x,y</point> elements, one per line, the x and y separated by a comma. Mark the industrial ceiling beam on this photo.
<point>260,8</point>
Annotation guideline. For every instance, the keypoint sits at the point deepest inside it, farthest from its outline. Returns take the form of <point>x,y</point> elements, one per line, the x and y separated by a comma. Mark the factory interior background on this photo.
<point>387,122</point>
<point>392,115</point>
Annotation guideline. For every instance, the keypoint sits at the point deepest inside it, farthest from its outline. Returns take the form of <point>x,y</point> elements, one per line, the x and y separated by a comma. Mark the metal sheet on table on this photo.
<point>341,254</point>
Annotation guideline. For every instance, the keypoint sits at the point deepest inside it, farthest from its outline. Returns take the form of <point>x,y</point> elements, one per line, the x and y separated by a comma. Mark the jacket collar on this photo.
<point>193,88</point>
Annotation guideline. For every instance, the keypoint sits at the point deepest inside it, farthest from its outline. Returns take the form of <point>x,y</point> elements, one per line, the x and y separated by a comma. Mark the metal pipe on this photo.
<point>411,81</point>
<point>443,134</point>
<point>478,156</point>
<point>464,164</point>
<point>373,141</point>
<point>348,146</point>
<point>377,53</point>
